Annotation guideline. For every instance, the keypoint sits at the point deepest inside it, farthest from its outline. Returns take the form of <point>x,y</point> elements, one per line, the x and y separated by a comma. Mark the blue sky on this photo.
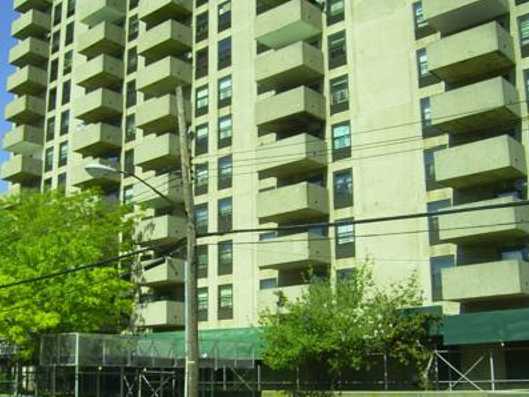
<point>6,42</point>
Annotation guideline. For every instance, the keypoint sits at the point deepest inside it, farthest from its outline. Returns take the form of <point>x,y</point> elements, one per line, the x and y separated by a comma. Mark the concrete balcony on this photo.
<point>26,5</point>
<point>29,80</point>
<point>299,108</point>
<point>169,272</point>
<point>449,16</point>
<point>171,38</point>
<point>161,314</point>
<point>302,201</point>
<point>485,226</point>
<point>491,53</point>
<point>99,105</point>
<point>156,12</point>
<point>160,114</point>
<point>486,105</point>
<point>94,12</point>
<point>163,76</point>
<point>267,299</point>
<point>103,71</point>
<point>25,109</point>
<point>295,20</point>
<point>21,169</point>
<point>84,179</point>
<point>31,51</point>
<point>486,281</point>
<point>158,152</point>
<point>25,139</point>
<point>482,162</point>
<point>169,184</point>
<point>296,155</point>
<point>96,139</point>
<point>289,67</point>
<point>294,252</point>
<point>104,38</point>
<point>162,230</point>
<point>33,23</point>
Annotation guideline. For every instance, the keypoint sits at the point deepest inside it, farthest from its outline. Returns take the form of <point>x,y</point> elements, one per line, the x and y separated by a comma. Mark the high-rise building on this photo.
<point>302,111</point>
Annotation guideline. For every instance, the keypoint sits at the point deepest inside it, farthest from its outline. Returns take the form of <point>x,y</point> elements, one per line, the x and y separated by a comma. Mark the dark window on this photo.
<point>341,141</point>
<point>345,274</point>
<point>54,70</point>
<point>343,189</point>
<point>225,131</point>
<point>201,63</point>
<point>132,60</point>
<point>52,99</point>
<point>50,129</point>
<point>61,182</point>
<point>225,258</point>
<point>268,283</point>
<point>128,161</point>
<point>66,92</point>
<point>202,302</point>
<point>133,4</point>
<point>201,100</point>
<point>422,28</point>
<point>523,25</point>
<point>202,178</point>
<point>131,94</point>
<point>426,117</point>
<point>337,50</point>
<point>202,26</point>
<point>57,14</point>
<point>48,159</point>
<point>433,221</point>
<point>130,128</point>
<point>46,185</point>
<point>224,172</point>
<point>429,168</point>
<point>344,239</point>
<point>224,16</point>
<point>198,3</point>
<point>437,264</point>
<point>67,62</point>
<point>133,27</point>
<point>225,91</point>
<point>201,218</point>
<point>225,308</point>
<point>202,261</point>
<point>71,8</point>
<point>63,154</point>
<point>201,139</point>
<point>339,94</point>
<point>68,37</point>
<point>515,254</point>
<point>335,11</point>
<point>65,122</point>
<point>55,41</point>
<point>225,214</point>
<point>128,194</point>
<point>425,77</point>
<point>224,53</point>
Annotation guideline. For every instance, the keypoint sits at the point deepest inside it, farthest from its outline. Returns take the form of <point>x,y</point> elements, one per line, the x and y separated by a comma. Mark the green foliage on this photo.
<point>344,325</point>
<point>50,232</point>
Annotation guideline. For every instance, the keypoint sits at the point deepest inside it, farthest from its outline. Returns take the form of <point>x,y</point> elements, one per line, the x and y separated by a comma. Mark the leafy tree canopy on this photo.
<point>50,232</point>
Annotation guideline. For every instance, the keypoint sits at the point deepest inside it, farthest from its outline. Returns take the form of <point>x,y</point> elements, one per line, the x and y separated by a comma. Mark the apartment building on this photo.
<point>302,111</point>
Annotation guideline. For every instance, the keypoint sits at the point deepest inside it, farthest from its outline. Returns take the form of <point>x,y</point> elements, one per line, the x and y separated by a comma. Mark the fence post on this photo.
<point>492,374</point>
<point>386,371</point>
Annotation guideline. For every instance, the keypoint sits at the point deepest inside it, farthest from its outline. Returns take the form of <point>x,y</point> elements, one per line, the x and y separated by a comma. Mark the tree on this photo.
<point>343,327</point>
<point>50,232</point>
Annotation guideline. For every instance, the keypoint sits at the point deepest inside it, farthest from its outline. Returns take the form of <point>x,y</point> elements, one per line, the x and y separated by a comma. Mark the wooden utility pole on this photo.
<point>191,304</point>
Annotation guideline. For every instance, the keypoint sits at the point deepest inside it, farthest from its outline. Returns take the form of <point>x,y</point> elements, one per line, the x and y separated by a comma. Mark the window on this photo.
<point>421,26</point>
<point>224,53</point>
<point>345,274</point>
<point>133,4</point>
<point>225,130</point>
<point>268,283</point>
<point>437,264</point>
<point>48,159</point>
<point>433,221</point>
<point>202,27</point>
<point>61,182</point>
<point>515,253</point>
<point>52,99</point>
<point>343,189</point>
<point>133,27</point>
<point>130,128</point>
<point>67,62</point>
<point>344,239</point>
<point>429,168</point>
<point>50,129</point>
<point>202,302</point>
<point>337,50</point>
<point>224,16</point>
<point>200,2</point>
<point>65,122</point>
<point>201,63</point>
<point>201,139</point>
<point>128,161</point>
<point>202,261</point>
<point>341,141</point>
<point>68,38</point>
<point>66,92</point>
<point>225,258</point>
<point>46,185</point>
<point>201,218</point>
<point>71,8</point>
<point>131,93</point>
<point>523,26</point>
<point>54,70</point>
<point>225,210</point>
<point>57,14</point>
<point>425,77</point>
<point>225,92</point>
<point>339,94</point>
<point>202,179</point>
<point>63,154</point>
<point>335,11</point>
<point>128,194</point>
<point>225,302</point>
<point>224,173</point>
<point>55,41</point>
<point>426,117</point>
<point>201,101</point>
<point>132,60</point>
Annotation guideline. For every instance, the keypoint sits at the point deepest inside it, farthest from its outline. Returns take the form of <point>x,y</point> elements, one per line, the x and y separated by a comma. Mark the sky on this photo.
<point>6,42</point>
